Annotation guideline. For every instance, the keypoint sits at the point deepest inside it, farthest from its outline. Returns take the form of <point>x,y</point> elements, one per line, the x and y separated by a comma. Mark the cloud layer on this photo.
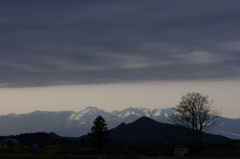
<point>62,42</point>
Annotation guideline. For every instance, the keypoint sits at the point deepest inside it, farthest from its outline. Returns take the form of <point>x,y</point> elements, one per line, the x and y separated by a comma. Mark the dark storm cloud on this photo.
<point>89,42</point>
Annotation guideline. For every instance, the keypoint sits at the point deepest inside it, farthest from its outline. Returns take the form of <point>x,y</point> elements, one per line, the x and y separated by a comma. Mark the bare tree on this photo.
<point>196,113</point>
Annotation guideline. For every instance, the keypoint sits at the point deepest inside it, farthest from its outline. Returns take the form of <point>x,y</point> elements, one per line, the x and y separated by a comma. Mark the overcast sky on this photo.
<point>122,47</point>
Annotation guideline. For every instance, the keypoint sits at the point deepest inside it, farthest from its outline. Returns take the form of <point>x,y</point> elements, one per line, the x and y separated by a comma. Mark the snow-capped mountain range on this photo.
<point>75,124</point>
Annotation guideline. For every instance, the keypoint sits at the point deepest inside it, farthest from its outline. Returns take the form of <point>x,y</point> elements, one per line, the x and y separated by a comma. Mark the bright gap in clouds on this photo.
<point>118,96</point>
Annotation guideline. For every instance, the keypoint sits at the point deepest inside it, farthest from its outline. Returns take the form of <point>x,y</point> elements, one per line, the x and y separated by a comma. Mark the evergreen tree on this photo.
<point>99,133</point>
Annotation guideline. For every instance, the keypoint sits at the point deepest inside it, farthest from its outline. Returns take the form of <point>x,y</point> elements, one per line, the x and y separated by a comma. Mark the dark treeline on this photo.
<point>41,138</point>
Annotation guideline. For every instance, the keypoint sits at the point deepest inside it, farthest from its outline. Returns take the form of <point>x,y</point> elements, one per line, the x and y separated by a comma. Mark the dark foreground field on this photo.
<point>228,150</point>
<point>101,157</point>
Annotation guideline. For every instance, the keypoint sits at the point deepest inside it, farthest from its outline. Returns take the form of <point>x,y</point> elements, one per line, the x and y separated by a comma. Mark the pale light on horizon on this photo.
<point>111,97</point>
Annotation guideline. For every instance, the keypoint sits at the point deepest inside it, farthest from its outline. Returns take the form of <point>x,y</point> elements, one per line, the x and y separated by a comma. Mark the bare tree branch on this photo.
<point>196,113</point>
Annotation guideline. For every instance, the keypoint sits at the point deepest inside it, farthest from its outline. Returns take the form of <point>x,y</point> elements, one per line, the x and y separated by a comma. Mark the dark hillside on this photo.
<point>148,130</point>
<point>143,129</point>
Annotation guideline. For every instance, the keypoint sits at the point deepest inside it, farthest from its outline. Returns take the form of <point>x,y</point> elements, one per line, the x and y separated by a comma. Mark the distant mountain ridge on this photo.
<point>75,124</point>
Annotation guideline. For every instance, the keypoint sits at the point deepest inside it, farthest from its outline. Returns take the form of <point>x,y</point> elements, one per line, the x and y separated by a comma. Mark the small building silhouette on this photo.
<point>178,149</point>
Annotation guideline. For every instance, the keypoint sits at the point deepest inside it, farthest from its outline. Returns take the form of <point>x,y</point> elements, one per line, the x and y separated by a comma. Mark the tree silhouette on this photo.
<point>99,133</point>
<point>196,113</point>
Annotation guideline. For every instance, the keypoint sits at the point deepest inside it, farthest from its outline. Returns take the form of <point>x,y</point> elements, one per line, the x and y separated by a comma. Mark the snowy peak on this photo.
<point>167,112</point>
<point>90,111</point>
<point>132,111</point>
<point>164,113</point>
<point>145,111</point>
<point>88,114</point>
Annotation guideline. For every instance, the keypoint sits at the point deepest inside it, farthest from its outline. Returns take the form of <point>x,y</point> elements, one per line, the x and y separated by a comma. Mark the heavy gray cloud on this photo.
<point>60,42</point>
